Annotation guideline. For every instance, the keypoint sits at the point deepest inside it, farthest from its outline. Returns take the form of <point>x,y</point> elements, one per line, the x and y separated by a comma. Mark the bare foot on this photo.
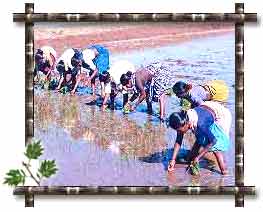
<point>225,172</point>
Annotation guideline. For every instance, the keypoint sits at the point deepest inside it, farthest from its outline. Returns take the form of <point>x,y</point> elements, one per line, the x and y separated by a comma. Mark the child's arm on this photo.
<point>177,145</point>
<point>48,71</point>
<point>76,84</point>
<point>60,82</point>
<point>77,80</point>
<point>133,97</point>
<point>141,98</point>
<point>61,77</point>
<point>53,62</point>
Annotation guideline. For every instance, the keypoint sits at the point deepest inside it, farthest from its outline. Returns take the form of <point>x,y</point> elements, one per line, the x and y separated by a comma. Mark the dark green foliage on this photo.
<point>47,168</point>
<point>34,150</point>
<point>15,177</point>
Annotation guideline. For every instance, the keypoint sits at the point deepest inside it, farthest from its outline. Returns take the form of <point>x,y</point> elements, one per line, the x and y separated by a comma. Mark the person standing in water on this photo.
<point>215,90</point>
<point>112,83</point>
<point>45,62</point>
<point>150,83</point>
<point>96,59</point>
<point>210,122</point>
<point>69,66</point>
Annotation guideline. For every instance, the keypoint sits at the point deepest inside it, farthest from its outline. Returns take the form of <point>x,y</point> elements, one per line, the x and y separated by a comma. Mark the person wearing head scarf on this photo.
<point>112,83</point>
<point>69,66</point>
<point>45,62</point>
<point>150,83</point>
<point>210,122</point>
<point>215,90</point>
<point>96,60</point>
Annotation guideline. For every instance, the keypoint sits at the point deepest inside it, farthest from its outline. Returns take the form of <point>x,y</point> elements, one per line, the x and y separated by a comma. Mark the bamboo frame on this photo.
<point>239,17</point>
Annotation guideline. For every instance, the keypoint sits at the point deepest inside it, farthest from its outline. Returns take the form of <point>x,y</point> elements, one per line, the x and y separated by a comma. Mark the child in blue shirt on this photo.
<point>210,123</point>
<point>96,60</point>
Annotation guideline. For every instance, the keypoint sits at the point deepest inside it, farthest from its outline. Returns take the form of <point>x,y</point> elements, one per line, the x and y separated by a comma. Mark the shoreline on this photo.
<point>118,38</point>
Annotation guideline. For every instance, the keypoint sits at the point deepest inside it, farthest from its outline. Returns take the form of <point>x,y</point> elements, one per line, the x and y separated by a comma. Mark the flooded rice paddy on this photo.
<point>107,148</point>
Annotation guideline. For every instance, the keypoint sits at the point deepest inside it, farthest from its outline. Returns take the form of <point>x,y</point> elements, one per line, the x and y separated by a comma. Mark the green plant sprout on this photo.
<point>126,109</point>
<point>46,169</point>
<point>186,105</point>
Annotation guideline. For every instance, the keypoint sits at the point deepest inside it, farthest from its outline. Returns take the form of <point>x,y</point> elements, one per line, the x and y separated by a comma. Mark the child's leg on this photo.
<point>112,99</point>
<point>220,161</point>
<point>93,87</point>
<point>92,82</point>
<point>162,105</point>
<point>125,99</point>
<point>149,105</point>
<point>102,86</point>
<point>104,104</point>
<point>194,152</point>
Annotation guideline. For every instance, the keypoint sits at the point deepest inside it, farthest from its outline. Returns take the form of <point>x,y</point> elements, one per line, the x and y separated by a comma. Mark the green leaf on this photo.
<point>15,177</point>
<point>47,168</point>
<point>34,150</point>
<point>186,105</point>
<point>195,169</point>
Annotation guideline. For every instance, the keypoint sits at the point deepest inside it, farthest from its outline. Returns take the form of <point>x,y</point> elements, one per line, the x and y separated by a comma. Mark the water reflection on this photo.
<point>103,128</point>
<point>119,134</point>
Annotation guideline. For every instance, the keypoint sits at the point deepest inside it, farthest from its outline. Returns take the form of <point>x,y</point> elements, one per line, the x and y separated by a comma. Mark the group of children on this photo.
<point>207,117</point>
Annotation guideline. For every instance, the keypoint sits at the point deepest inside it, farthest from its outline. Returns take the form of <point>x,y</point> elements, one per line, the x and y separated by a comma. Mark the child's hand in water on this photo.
<point>132,107</point>
<point>171,166</point>
<point>196,160</point>
<point>126,108</point>
<point>103,107</point>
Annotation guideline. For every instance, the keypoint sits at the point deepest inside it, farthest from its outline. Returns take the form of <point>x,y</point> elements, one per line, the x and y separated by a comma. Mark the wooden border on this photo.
<point>135,190</point>
<point>140,17</point>
<point>29,91</point>
<point>239,105</point>
<point>239,17</point>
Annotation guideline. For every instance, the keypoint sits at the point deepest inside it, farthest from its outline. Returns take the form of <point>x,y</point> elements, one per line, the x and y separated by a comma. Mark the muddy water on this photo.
<point>108,148</point>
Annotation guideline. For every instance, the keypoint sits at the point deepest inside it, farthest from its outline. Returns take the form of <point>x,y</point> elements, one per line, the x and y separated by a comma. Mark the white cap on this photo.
<point>120,67</point>
<point>66,57</point>
<point>49,50</point>
<point>88,56</point>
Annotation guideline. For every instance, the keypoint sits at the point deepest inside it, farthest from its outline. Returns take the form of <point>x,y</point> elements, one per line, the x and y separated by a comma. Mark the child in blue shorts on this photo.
<point>210,122</point>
